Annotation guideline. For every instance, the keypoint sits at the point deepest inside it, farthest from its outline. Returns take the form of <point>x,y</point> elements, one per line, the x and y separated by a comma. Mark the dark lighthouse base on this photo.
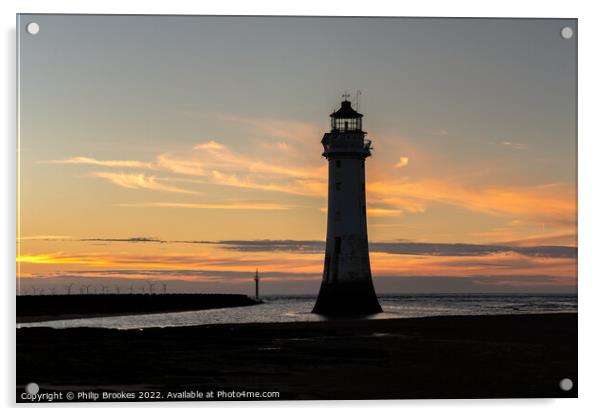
<point>346,299</point>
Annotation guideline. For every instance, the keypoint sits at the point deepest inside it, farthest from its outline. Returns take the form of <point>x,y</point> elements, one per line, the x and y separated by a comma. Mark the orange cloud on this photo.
<point>555,201</point>
<point>562,238</point>
<point>376,212</point>
<point>81,160</point>
<point>220,261</point>
<point>44,237</point>
<point>211,145</point>
<point>269,206</point>
<point>383,212</point>
<point>139,181</point>
<point>220,157</point>
<point>216,164</point>
<point>181,165</point>
<point>403,161</point>
<point>496,266</point>
<point>61,258</point>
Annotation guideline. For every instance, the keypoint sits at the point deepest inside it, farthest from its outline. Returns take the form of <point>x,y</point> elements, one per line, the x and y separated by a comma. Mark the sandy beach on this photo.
<point>437,357</point>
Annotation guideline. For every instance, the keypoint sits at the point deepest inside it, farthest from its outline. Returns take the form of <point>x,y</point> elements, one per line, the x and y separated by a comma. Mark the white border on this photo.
<point>590,176</point>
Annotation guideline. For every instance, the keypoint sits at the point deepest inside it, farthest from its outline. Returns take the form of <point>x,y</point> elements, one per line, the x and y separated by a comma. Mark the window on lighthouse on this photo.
<point>346,124</point>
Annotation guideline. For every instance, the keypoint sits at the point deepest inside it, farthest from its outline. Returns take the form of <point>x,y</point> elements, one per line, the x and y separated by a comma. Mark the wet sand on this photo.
<point>438,357</point>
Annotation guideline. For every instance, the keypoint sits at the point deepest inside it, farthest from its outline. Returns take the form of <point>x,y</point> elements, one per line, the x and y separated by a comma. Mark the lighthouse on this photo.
<point>347,287</point>
<point>256,284</point>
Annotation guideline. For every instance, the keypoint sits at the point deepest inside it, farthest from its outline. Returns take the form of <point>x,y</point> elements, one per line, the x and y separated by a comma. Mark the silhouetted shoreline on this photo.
<point>498,356</point>
<point>59,307</point>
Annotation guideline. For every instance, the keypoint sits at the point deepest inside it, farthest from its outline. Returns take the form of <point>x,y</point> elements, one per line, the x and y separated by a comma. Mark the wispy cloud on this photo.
<point>569,239</point>
<point>290,130</point>
<point>306,187</point>
<point>383,212</point>
<point>210,145</point>
<point>218,156</point>
<point>82,160</point>
<point>179,260</point>
<point>126,240</point>
<point>409,248</point>
<point>403,161</point>
<point>249,205</point>
<point>507,268</point>
<point>376,212</point>
<point>555,201</point>
<point>386,247</point>
<point>45,237</point>
<point>63,258</point>
<point>213,162</point>
<point>516,146</point>
<point>139,181</point>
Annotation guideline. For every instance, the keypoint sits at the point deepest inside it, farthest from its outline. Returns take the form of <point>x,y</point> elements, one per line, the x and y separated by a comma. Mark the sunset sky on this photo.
<point>163,148</point>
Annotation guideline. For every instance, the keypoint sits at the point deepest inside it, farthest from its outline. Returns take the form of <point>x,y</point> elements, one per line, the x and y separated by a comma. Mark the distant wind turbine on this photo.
<point>69,286</point>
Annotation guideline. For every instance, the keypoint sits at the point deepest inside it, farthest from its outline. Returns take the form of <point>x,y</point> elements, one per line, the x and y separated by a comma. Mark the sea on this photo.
<point>298,309</point>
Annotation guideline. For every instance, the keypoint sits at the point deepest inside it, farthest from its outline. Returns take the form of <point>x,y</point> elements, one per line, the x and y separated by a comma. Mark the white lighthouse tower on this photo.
<point>347,287</point>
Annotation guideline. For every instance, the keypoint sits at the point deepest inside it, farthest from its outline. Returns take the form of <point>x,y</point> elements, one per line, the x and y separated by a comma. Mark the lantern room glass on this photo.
<point>346,124</point>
